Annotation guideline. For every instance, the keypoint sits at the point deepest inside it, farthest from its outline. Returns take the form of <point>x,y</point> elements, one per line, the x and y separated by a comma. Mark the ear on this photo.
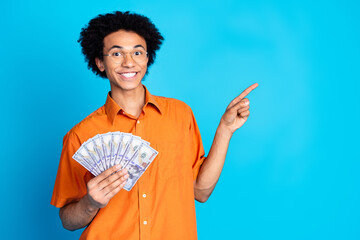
<point>99,64</point>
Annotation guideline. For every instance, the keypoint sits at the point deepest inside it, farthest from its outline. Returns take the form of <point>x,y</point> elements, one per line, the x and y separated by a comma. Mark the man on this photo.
<point>121,47</point>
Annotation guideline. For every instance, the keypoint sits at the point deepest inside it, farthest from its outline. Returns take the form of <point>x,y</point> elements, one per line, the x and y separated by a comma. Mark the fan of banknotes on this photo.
<point>106,150</point>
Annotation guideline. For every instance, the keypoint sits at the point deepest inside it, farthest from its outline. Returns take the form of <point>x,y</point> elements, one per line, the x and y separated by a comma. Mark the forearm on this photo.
<point>211,168</point>
<point>78,214</point>
<point>235,116</point>
<point>100,190</point>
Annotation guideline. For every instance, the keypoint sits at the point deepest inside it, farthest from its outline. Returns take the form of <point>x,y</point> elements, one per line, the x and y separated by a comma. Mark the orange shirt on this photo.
<point>161,205</point>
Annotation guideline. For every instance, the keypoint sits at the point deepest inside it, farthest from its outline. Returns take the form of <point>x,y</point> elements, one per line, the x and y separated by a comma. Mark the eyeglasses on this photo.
<point>118,57</point>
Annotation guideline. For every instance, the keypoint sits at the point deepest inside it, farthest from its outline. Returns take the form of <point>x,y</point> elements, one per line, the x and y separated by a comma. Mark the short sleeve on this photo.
<point>196,145</point>
<point>71,178</point>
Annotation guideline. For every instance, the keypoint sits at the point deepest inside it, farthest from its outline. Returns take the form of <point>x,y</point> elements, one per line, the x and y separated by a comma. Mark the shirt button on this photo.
<point>144,195</point>
<point>145,222</point>
<point>138,121</point>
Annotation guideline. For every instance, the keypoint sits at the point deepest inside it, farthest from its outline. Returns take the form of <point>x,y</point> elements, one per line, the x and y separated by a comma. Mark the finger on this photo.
<point>111,179</point>
<point>242,95</point>
<point>111,194</point>
<point>242,104</point>
<point>240,110</point>
<point>99,194</point>
<point>116,186</point>
<point>248,90</point>
<point>244,114</point>
<point>105,174</point>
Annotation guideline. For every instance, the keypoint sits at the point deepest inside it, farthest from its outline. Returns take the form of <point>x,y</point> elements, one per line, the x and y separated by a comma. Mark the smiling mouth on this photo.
<point>128,74</point>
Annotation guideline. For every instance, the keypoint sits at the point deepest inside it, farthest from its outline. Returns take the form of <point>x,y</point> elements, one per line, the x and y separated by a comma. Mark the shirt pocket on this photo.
<point>171,161</point>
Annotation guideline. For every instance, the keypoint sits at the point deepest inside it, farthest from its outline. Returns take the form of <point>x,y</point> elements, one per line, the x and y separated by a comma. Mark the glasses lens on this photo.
<point>116,57</point>
<point>138,56</point>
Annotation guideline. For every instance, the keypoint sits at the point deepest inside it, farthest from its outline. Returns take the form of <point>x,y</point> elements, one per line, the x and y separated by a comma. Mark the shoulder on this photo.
<point>88,123</point>
<point>172,104</point>
<point>175,112</point>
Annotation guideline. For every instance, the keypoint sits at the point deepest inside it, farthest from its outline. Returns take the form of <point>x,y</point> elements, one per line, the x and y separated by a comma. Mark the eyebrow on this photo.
<point>120,47</point>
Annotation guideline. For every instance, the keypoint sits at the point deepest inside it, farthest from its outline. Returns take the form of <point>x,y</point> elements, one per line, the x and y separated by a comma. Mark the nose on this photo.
<point>128,61</point>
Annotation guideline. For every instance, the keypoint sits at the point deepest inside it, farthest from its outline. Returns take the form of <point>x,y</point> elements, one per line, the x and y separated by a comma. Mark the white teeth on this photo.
<point>128,75</point>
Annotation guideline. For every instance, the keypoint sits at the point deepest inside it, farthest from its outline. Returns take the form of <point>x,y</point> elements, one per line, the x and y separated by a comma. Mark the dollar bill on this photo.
<point>99,149</point>
<point>116,140</point>
<point>121,148</point>
<point>132,147</point>
<point>140,161</point>
<point>107,147</point>
<point>93,153</point>
<point>106,150</point>
<point>83,157</point>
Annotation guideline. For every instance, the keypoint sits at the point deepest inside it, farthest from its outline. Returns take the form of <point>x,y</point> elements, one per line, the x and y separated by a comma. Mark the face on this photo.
<point>127,75</point>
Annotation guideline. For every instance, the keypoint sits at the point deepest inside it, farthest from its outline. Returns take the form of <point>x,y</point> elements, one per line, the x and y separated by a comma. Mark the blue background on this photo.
<point>292,171</point>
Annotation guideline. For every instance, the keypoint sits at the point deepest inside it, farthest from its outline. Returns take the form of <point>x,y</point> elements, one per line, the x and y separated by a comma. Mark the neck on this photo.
<point>131,101</point>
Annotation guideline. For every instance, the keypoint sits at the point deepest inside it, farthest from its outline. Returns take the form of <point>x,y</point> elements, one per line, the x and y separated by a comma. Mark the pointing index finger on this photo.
<point>248,90</point>
<point>243,94</point>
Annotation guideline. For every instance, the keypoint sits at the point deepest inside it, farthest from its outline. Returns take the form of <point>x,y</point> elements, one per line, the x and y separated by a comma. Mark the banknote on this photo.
<point>99,150</point>
<point>131,148</point>
<point>138,164</point>
<point>91,149</point>
<point>103,151</point>
<point>116,140</point>
<point>83,157</point>
<point>121,148</point>
<point>107,146</point>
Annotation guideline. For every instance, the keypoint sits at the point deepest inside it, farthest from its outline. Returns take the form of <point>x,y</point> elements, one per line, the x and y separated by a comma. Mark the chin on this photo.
<point>128,86</point>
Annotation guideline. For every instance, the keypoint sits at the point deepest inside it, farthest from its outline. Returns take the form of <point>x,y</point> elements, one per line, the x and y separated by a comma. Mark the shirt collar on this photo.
<point>112,108</point>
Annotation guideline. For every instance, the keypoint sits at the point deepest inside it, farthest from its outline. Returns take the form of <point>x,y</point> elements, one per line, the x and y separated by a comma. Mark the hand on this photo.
<point>104,187</point>
<point>237,112</point>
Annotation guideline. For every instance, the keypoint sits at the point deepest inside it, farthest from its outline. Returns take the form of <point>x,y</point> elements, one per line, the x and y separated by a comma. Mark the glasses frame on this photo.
<point>126,53</point>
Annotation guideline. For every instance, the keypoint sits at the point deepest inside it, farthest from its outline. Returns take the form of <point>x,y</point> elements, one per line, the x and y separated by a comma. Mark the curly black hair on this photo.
<point>92,35</point>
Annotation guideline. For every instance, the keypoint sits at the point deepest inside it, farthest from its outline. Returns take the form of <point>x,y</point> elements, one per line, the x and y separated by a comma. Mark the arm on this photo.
<point>100,190</point>
<point>234,117</point>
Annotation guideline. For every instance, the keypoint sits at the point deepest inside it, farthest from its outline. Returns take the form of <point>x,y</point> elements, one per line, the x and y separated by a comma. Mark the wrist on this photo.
<point>88,207</point>
<point>224,130</point>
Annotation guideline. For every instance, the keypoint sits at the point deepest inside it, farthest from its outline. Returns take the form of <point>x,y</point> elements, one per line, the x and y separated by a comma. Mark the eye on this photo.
<point>117,54</point>
<point>138,53</point>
